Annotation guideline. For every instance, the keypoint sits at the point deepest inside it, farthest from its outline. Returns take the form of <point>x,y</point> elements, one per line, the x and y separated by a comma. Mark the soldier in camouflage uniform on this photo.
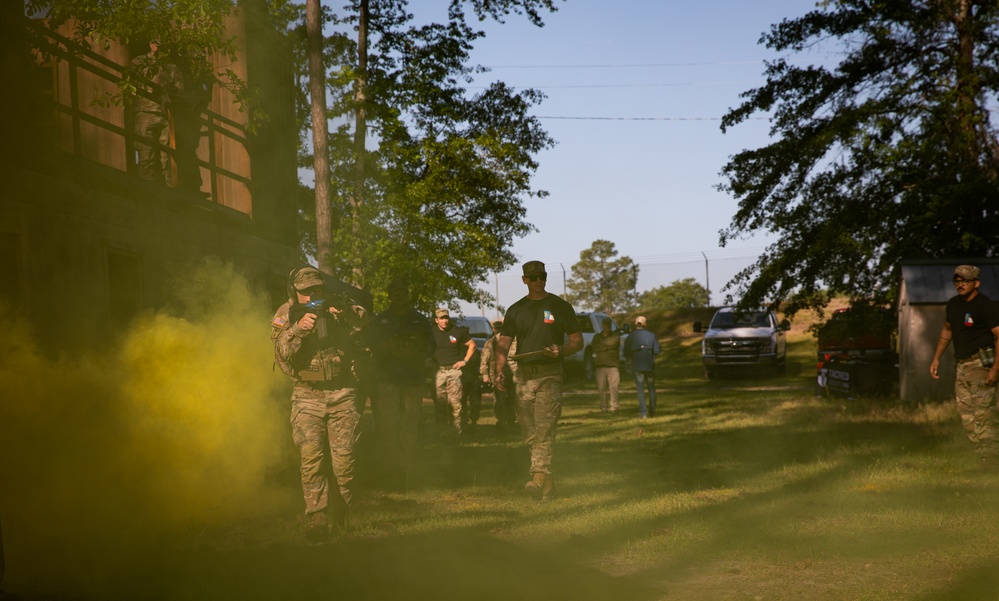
<point>504,402</point>
<point>973,324</point>
<point>539,323</point>
<point>316,347</point>
<point>150,119</point>
<point>453,349</point>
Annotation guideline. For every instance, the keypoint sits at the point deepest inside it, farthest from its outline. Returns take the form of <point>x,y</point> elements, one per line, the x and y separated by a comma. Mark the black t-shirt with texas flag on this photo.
<point>536,324</point>
<point>971,324</point>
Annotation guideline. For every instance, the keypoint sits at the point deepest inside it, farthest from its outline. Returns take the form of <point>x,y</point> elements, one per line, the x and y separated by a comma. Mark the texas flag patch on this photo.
<point>452,339</point>
<point>968,321</point>
<point>549,318</point>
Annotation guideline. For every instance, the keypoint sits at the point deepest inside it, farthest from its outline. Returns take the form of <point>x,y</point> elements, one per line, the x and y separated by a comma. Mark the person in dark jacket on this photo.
<point>642,348</point>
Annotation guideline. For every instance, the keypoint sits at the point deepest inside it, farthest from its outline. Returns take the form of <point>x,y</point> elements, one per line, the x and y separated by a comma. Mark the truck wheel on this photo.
<point>589,369</point>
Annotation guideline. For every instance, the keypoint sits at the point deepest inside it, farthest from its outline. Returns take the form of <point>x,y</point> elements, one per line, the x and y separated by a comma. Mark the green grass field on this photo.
<point>743,489</point>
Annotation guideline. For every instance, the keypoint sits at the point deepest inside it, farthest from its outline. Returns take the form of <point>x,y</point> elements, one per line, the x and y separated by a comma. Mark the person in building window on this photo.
<point>188,105</point>
<point>150,120</point>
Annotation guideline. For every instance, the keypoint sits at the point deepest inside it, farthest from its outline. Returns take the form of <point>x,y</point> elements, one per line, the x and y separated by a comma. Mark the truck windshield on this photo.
<point>751,319</point>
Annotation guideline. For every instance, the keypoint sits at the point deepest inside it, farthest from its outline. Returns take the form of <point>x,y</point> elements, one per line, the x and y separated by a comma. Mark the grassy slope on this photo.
<point>740,489</point>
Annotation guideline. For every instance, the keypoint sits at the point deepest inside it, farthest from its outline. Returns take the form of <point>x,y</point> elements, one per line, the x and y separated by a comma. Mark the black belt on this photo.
<point>531,371</point>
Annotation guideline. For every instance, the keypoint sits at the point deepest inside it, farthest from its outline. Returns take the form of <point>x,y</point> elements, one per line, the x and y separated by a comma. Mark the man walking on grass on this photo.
<point>539,323</point>
<point>973,324</point>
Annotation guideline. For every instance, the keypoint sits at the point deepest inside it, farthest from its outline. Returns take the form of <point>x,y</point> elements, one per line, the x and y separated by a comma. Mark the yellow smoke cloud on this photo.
<point>181,424</point>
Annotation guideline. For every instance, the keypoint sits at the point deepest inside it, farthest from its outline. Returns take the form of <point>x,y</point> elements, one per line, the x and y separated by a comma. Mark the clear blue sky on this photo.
<point>638,87</point>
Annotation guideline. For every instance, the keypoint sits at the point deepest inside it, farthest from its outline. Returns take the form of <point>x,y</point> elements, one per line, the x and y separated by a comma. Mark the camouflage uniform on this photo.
<point>504,402</point>
<point>450,348</point>
<point>535,324</point>
<point>976,402</point>
<point>150,121</point>
<point>324,411</point>
<point>972,322</point>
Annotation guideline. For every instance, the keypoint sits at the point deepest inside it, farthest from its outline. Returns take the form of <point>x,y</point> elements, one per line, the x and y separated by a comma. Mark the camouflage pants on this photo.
<point>505,403</point>
<point>976,403</point>
<point>153,163</point>
<point>399,409</point>
<point>324,427</point>
<point>539,405</point>
<point>449,394</point>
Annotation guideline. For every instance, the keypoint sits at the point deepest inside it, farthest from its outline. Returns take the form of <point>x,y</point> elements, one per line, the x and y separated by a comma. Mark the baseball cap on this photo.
<point>534,268</point>
<point>442,313</point>
<point>967,272</point>
<point>307,278</point>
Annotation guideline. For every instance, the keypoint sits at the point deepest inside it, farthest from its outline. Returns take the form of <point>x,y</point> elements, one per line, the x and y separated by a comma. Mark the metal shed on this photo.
<point>926,286</point>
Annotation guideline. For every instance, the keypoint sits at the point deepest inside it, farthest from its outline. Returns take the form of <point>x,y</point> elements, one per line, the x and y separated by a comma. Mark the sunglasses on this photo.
<point>534,278</point>
<point>962,281</point>
<point>313,292</point>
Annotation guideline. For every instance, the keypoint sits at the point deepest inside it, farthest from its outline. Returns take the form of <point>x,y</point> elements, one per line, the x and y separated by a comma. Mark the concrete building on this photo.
<point>926,286</point>
<point>85,243</point>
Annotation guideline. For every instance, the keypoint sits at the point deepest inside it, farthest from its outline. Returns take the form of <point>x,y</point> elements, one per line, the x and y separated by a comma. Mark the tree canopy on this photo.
<point>889,154</point>
<point>437,192</point>
<point>602,281</point>
<point>679,294</point>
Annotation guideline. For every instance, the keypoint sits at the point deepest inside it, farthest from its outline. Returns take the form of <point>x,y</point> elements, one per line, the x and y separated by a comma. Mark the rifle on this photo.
<point>530,355</point>
<point>320,308</point>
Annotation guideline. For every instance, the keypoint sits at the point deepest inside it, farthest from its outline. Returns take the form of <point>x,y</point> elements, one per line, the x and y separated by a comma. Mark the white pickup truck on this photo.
<point>589,325</point>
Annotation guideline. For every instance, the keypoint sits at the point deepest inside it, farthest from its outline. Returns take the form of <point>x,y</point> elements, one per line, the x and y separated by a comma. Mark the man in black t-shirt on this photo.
<point>973,324</point>
<point>539,323</point>
<point>453,348</point>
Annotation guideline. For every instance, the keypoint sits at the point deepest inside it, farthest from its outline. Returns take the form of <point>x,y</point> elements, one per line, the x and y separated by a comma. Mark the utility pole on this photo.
<point>563,279</point>
<point>707,282</point>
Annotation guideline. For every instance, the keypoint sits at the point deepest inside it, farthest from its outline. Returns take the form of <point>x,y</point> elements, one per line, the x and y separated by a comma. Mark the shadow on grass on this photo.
<point>455,565</point>
<point>980,583</point>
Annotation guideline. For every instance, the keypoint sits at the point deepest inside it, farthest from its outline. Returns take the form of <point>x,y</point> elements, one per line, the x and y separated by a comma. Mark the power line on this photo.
<point>642,85</point>
<point>644,118</point>
<point>626,65</point>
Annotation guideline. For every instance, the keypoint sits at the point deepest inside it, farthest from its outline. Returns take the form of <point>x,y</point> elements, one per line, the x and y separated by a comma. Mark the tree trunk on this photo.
<point>360,134</point>
<point>320,135</point>
<point>966,84</point>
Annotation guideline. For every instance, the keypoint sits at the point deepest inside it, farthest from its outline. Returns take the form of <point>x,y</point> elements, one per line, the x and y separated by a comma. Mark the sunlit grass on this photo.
<point>742,488</point>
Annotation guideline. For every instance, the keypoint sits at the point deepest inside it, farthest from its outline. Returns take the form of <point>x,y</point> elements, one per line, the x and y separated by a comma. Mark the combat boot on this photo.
<point>317,527</point>
<point>548,487</point>
<point>535,486</point>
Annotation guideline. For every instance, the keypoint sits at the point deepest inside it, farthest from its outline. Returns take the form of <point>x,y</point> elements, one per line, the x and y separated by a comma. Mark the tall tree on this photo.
<point>679,294</point>
<point>889,154</point>
<point>602,281</point>
<point>436,191</point>
<point>320,131</point>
